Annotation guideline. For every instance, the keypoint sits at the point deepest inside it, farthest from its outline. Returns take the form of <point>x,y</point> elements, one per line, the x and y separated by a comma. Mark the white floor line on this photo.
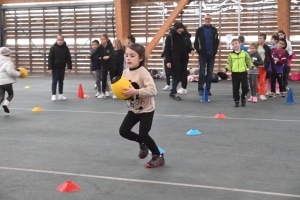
<point>188,116</point>
<point>153,182</point>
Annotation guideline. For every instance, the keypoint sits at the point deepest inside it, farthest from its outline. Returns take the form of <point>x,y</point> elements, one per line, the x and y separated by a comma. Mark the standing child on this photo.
<point>59,56</point>
<point>257,61</point>
<point>237,63</point>
<point>8,76</point>
<point>119,58</point>
<point>141,105</point>
<point>280,56</point>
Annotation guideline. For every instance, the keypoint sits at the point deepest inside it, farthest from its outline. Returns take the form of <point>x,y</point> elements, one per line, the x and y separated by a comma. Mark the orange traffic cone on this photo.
<point>220,116</point>
<point>80,92</point>
<point>68,186</point>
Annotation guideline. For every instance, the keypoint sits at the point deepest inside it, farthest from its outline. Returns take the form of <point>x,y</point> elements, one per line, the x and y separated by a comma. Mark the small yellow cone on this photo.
<point>86,96</point>
<point>27,87</point>
<point>37,109</point>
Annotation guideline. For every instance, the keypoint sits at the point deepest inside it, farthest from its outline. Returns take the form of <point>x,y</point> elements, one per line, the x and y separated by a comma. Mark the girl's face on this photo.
<point>103,40</point>
<point>132,58</point>
<point>273,41</point>
<point>280,35</point>
<point>59,40</point>
<point>252,49</point>
<point>114,44</point>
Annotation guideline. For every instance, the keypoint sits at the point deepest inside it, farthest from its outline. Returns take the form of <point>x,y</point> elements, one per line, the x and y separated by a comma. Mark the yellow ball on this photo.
<point>24,71</point>
<point>117,85</point>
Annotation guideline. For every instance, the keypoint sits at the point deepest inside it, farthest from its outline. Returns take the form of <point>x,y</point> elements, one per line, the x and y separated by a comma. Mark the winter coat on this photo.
<point>119,61</point>
<point>108,64</point>
<point>199,43</point>
<point>8,73</point>
<point>176,52</point>
<point>59,56</point>
<point>96,62</point>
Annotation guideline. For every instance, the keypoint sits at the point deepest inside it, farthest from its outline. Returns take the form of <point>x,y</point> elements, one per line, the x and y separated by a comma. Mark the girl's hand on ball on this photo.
<point>130,91</point>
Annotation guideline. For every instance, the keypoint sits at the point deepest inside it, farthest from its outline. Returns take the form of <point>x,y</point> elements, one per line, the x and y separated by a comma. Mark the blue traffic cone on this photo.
<point>161,151</point>
<point>290,98</point>
<point>205,96</point>
<point>193,132</point>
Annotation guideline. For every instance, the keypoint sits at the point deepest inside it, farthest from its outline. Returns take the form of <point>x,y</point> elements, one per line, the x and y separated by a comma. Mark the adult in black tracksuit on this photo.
<point>176,56</point>
<point>107,52</point>
<point>59,56</point>
<point>206,44</point>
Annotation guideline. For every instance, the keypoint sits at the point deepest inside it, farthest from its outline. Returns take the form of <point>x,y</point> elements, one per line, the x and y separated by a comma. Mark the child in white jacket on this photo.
<point>8,75</point>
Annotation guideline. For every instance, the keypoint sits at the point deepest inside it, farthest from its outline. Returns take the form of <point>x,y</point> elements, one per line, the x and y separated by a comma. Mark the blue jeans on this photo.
<point>58,75</point>
<point>203,61</point>
<point>175,81</point>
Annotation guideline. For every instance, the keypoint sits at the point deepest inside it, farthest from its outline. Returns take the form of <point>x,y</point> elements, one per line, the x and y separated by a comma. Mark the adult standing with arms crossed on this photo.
<point>206,44</point>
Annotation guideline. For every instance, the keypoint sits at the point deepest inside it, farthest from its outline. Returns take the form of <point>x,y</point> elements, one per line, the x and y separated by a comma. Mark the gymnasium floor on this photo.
<point>252,154</point>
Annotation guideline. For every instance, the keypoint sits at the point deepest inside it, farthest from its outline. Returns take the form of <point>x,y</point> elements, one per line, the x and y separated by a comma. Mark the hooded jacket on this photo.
<point>59,56</point>
<point>8,73</point>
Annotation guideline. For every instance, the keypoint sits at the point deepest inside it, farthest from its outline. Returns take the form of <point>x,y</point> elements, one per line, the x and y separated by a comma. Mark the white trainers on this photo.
<point>107,94</point>
<point>182,91</point>
<point>277,92</point>
<point>61,97</point>
<point>167,87</point>
<point>101,96</point>
<point>97,94</point>
<point>53,98</point>
<point>114,97</point>
<point>262,97</point>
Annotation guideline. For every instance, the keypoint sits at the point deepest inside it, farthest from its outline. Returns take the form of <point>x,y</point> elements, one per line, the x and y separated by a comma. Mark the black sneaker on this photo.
<point>175,96</point>
<point>143,151</point>
<point>5,108</point>
<point>156,161</point>
<point>208,92</point>
<point>243,104</point>
<point>236,104</point>
<point>282,94</point>
<point>200,92</point>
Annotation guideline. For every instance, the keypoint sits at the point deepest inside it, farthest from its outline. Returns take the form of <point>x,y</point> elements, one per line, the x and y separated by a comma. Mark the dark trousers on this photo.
<point>175,81</point>
<point>279,78</point>
<point>104,78</point>
<point>184,80</point>
<point>285,77</point>
<point>9,89</point>
<point>58,75</point>
<point>208,64</point>
<point>239,79</point>
<point>145,120</point>
<point>168,77</point>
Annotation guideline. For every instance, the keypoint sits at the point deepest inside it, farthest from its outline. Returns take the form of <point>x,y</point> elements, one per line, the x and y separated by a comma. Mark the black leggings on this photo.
<point>104,78</point>
<point>9,89</point>
<point>145,120</point>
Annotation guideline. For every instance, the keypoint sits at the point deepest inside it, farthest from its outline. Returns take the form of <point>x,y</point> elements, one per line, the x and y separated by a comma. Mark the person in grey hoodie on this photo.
<point>253,72</point>
<point>8,76</point>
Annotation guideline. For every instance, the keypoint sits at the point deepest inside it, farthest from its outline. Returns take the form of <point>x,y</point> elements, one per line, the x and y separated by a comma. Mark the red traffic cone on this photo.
<point>220,116</point>
<point>80,92</point>
<point>68,186</point>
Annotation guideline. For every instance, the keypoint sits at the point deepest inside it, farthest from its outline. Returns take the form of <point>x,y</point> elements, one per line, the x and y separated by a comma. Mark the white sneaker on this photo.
<point>182,91</point>
<point>167,87</point>
<point>107,94</point>
<point>53,98</point>
<point>101,96</point>
<point>114,97</point>
<point>97,94</point>
<point>95,87</point>
<point>61,97</point>
<point>277,92</point>
<point>262,97</point>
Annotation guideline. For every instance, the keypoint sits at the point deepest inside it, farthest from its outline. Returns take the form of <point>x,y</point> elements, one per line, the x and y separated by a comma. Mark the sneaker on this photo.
<point>243,103</point>
<point>268,93</point>
<point>182,91</point>
<point>107,94</point>
<point>200,92</point>
<point>262,97</point>
<point>208,92</point>
<point>143,151</point>
<point>95,87</point>
<point>101,96</point>
<point>114,97</point>
<point>282,94</point>
<point>61,97</point>
<point>175,96</point>
<point>156,161</point>
<point>53,98</point>
<point>250,99</point>
<point>167,87</point>
<point>236,104</point>
<point>272,94</point>
<point>254,100</point>
<point>277,92</point>
<point>97,94</point>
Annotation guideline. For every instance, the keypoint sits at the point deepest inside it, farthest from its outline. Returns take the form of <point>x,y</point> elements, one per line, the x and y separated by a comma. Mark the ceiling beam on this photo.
<point>179,8</point>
